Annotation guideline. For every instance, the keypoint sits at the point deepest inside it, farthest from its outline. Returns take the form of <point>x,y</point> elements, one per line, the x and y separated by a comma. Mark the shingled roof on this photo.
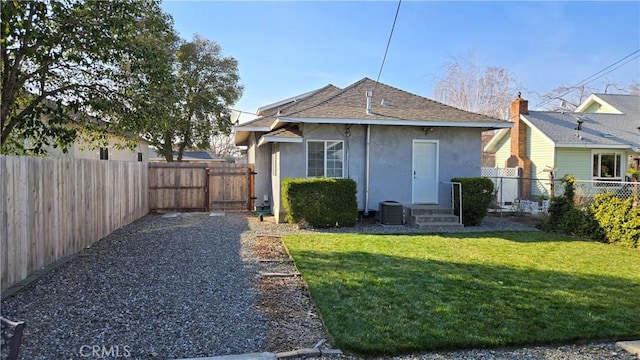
<point>622,103</point>
<point>597,129</point>
<point>273,112</point>
<point>618,130</point>
<point>390,106</point>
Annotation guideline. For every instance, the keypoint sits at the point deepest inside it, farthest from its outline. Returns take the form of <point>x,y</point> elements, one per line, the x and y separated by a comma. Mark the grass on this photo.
<point>396,294</point>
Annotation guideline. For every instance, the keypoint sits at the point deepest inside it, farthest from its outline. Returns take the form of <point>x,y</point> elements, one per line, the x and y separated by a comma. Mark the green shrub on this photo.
<point>477,194</point>
<point>320,202</point>
<point>618,219</point>
<point>609,218</point>
<point>563,215</point>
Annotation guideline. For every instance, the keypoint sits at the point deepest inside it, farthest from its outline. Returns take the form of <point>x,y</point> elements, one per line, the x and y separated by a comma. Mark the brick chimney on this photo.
<point>518,157</point>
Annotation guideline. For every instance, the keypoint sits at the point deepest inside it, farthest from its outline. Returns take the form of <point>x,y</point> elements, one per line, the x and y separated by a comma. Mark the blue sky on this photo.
<point>291,47</point>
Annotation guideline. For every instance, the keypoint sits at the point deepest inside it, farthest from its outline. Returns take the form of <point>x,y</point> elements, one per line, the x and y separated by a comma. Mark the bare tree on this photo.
<point>483,90</point>
<point>469,86</point>
<point>568,98</point>
<point>224,146</point>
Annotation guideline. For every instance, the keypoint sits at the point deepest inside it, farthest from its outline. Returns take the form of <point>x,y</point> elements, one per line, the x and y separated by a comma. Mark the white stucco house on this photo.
<point>397,146</point>
<point>597,143</point>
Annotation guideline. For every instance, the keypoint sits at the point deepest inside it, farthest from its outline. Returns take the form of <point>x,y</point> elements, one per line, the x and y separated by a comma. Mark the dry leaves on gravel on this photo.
<point>293,319</point>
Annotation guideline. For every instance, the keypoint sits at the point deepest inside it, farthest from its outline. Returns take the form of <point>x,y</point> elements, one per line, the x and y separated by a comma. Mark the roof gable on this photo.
<point>388,103</point>
<point>611,104</point>
<point>268,109</point>
<point>265,123</point>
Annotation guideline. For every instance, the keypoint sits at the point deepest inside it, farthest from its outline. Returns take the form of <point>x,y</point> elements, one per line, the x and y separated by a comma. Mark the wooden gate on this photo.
<point>200,187</point>
<point>231,188</point>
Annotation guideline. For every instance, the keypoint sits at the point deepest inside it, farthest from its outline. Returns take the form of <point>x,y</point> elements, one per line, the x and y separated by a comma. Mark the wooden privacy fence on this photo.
<point>200,187</point>
<point>52,208</point>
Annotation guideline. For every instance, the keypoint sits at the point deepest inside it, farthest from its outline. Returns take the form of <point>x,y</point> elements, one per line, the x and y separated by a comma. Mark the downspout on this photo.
<point>347,134</point>
<point>366,171</point>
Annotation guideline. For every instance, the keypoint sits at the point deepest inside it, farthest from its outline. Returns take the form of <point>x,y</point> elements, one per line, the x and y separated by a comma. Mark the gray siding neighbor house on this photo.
<point>395,145</point>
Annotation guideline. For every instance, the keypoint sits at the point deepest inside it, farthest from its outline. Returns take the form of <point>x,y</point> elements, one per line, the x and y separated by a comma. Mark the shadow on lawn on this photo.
<point>381,304</point>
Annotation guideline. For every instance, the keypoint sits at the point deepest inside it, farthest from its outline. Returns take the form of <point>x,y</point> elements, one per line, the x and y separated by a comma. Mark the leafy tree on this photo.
<point>65,60</point>
<point>206,86</point>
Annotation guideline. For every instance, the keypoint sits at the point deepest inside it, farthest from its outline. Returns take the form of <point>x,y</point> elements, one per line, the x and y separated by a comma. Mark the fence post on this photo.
<point>207,205</point>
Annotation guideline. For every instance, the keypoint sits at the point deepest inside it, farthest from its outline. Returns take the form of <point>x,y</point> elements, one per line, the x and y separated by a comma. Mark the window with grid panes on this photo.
<point>325,158</point>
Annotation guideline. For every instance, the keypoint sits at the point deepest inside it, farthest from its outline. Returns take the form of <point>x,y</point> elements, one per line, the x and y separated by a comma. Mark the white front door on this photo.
<point>425,171</point>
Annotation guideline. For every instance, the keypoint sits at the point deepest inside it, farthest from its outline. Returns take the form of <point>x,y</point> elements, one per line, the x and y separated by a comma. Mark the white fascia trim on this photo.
<point>287,101</point>
<point>493,143</point>
<point>482,124</point>
<point>251,128</point>
<point>267,139</point>
<point>596,146</point>
<point>593,98</point>
<point>529,124</point>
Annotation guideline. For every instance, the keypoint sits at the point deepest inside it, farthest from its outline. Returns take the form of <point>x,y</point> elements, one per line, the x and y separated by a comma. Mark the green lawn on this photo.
<point>394,294</point>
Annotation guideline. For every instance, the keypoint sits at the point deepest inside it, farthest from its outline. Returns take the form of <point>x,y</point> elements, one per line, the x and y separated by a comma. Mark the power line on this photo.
<point>635,52</point>
<point>596,76</point>
<point>615,68</point>
<point>388,43</point>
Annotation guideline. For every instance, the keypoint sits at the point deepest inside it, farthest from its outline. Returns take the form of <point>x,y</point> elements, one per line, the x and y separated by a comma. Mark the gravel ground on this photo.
<point>160,288</point>
<point>189,286</point>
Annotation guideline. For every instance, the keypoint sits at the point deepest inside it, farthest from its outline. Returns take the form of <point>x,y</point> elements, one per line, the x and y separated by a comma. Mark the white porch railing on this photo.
<point>453,198</point>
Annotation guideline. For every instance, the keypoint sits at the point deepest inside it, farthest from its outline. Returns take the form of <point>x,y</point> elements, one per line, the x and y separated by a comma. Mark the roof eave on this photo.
<point>595,146</point>
<point>396,122</point>
<point>292,99</point>
<point>590,100</point>
<point>271,139</point>
<point>492,145</point>
<point>532,126</point>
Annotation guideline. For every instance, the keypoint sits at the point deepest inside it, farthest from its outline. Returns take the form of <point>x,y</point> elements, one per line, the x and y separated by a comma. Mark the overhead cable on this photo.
<point>597,75</point>
<point>388,43</point>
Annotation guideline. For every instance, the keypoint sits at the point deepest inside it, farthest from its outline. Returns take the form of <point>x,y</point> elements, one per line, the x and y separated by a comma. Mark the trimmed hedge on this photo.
<point>320,202</point>
<point>477,194</point>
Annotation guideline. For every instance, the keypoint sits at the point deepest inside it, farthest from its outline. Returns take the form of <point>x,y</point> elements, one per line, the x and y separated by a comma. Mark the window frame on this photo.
<point>618,160</point>
<point>325,149</point>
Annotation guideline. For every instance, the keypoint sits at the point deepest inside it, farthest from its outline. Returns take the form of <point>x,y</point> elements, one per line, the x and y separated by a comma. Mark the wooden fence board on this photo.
<point>52,208</point>
<point>200,187</point>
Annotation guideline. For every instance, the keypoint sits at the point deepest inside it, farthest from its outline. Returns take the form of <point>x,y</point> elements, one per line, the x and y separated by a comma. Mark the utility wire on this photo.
<point>388,43</point>
<point>595,76</point>
<point>633,53</point>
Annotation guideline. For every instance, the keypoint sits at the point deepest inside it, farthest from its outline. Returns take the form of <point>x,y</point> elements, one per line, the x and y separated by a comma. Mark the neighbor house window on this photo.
<point>139,156</point>
<point>104,153</point>
<point>325,158</point>
<point>607,166</point>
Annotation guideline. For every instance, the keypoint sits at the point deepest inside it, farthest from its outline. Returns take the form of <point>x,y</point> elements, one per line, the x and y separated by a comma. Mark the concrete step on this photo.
<point>425,219</point>
<point>429,211</point>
